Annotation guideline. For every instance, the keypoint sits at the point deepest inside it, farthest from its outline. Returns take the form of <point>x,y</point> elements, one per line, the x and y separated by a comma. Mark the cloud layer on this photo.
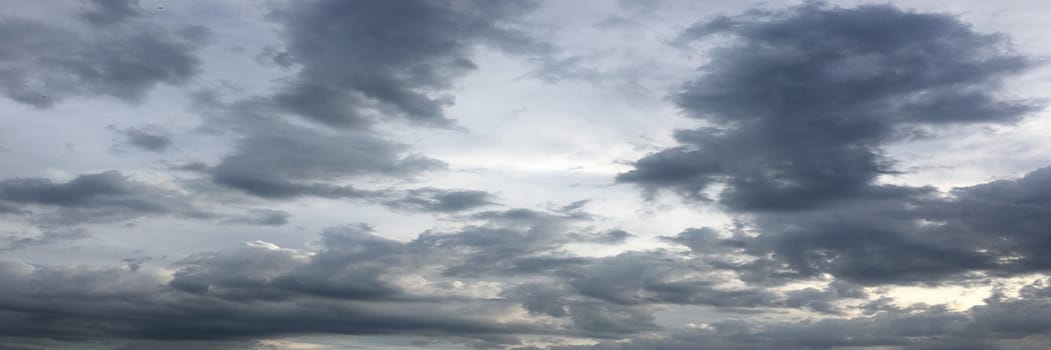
<point>334,193</point>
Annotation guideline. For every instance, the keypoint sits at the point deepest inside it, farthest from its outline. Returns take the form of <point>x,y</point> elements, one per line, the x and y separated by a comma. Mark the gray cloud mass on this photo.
<point>391,58</point>
<point>804,98</point>
<point>44,64</point>
<point>340,197</point>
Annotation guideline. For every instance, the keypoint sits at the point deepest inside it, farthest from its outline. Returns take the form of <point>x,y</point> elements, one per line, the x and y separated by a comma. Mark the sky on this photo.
<point>519,174</point>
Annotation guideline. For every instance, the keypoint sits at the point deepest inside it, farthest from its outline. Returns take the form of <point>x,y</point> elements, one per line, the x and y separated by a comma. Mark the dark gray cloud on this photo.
<point>640,278</point>
<point>366,59</point>
<point>512,241</point>
<point>43,64</point>
<point>593,318</point>
<point>49,235</point>
<point>108,12</point>
<point>1007,323</point>
<point>354,263</point>
<point>10,208</point>
<point>56,207</point>
<point>824,300</point>
<point>528,244</point>
<point>262,217</point>
<point>802,99</point>
<point>799,104</point>
<point>356,282</point>
<point>997,228</point>
<point>442,200</point>
<point>296,161</point>
<point>103,196</point>
<point>116,304</point>
<point>357,63</point>
<point>277,159</point>
<point>608,237</point>
<point>145,139</point>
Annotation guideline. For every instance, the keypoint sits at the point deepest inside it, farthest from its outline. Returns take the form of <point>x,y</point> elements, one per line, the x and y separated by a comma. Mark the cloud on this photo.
<point>296,161</point>
<point>802,100</point>
<point>609,237</point>
<point>108,197</point>
<point>44,64</point>
<point>799,104</point>
<point>994,229</point>
<point>796,107</point>
<point>365,59</point>
<point>48,236</point>
<point>358,63</point>
<point>442,200</point>
<point>108,12</point>
<point>640,278</point>
<point>354,263</point>
<point>276,159</point>
<point>592,318</point>
<point>505,242</point>
<point>279,160</point>
<point>262,217</point>
<point>1001,324</point>
<point>94,197</point>
<point>355,282</point>
<point>145,139</point>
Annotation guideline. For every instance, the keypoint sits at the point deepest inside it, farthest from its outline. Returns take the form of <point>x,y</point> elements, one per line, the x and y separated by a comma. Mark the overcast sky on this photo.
<point>570,175</point>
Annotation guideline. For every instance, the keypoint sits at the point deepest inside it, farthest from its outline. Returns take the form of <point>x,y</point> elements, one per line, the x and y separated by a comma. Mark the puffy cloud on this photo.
<point>117,56</point>
<point>392,58</point>
<point>1002,324</point>
<point>95,197</point>
<point>801,101</point>
<point>57,208</point>
<point>355,282</point>
<point>280,160</point>
<point>359,63</point>
<point>994,228</point>
<point>797,104</point>
<point>296,161</point>
<point>115,304</point>
<point>493,282</point>
<point>441,200</point>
